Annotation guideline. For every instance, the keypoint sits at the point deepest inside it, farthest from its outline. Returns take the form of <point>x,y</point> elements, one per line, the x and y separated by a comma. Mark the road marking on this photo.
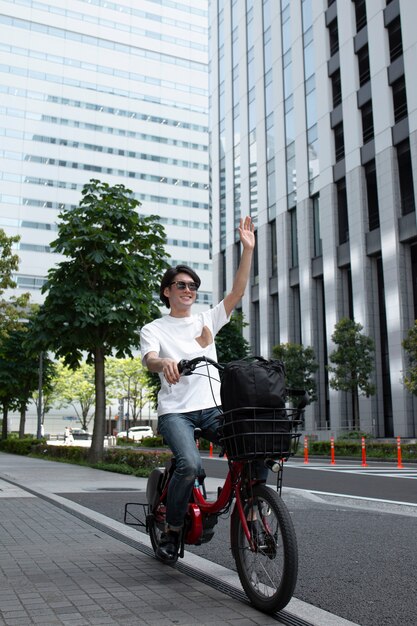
<point>390,472</point>
<point>351,497</point>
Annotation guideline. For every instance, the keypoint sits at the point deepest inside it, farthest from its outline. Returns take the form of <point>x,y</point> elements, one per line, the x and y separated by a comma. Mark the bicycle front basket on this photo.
<point>249,433</point>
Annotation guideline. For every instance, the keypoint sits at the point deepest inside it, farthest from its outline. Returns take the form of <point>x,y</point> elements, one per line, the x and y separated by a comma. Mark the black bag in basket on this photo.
<point>258,383</point>
<point>253,383</point>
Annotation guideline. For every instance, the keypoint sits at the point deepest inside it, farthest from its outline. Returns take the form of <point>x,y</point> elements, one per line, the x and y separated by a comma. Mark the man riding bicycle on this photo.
<point>186,403</point>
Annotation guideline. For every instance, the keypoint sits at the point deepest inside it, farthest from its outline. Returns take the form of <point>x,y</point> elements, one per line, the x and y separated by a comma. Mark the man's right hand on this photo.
<point>170,371</point>
<point>167,366</point>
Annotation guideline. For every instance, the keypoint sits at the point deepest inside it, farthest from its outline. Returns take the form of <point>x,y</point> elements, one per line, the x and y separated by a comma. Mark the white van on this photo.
<point>136,433</point>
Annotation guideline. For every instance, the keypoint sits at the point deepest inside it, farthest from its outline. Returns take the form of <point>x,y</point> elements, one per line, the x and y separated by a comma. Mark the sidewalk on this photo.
<point>64,564</point>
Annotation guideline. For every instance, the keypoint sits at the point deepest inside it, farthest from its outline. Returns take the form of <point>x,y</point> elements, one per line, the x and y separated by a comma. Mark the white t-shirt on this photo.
<point>175,338</point>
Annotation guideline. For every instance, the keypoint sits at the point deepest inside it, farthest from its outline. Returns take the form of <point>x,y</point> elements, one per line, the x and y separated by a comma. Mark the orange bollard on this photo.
<point>332,460</point>
<point>364,463</point>
<point>399,459</point>
<point>211,448</point>
<point>305,450</point>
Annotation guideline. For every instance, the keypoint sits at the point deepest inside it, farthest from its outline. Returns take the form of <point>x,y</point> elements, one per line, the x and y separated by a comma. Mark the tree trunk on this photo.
<point>22,422</point>
<point>4,427</point>
<point>97,443</point>
<point>355,404</point>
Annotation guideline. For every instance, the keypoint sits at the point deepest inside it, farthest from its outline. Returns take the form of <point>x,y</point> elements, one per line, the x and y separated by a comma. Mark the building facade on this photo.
<point>116,91</point>
<point>313,131</point>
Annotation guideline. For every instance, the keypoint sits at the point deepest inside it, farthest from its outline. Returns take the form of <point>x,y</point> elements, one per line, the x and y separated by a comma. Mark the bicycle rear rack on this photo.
<point>131,518</point>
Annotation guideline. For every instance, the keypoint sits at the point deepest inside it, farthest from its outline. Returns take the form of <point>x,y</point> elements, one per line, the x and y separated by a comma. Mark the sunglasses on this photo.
<point>181,285</point>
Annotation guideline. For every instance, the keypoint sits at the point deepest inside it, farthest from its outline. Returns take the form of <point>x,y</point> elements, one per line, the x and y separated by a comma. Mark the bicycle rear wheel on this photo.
<point>267,569</point>
<point>155,519</point>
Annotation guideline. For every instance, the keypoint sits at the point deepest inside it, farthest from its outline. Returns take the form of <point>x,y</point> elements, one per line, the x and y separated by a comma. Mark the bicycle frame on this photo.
<point>231,487</point>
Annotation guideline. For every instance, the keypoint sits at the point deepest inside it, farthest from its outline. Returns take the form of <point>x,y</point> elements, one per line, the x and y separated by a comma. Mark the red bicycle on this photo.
<point>262,535</point>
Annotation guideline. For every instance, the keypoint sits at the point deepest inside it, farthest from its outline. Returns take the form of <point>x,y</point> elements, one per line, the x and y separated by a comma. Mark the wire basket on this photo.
<point>250,433</point>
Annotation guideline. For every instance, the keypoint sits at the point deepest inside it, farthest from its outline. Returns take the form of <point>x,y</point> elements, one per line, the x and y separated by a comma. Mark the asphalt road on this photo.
<point>357,551</point>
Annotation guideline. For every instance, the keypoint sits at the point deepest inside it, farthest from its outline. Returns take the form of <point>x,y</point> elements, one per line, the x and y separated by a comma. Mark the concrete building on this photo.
<point>314,133</point>
<point>116,91</point>
<point>111,90</point>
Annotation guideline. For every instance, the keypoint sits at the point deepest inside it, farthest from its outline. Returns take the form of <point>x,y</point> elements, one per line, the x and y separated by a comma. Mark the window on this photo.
<point>294,240</point>
<point>271,187</point>
<point>405,173</point>
<point>399,98</point>
<point>413,251</point>
<point>367,122</point>
<point>333,37</point>
<point>256,261</point>
<point>363,65</point>
<point>291,176</point>
<point>372,195</point>
<point>274,320</point>
<point>395,39</point>
<point>318,249</point>
<point>255,327</point>
<point>342,212</point>
<point>273,247</point>
<point>360,14</point>
<point>336,88</point>
<point>296,317</point>
<point>339,142</point>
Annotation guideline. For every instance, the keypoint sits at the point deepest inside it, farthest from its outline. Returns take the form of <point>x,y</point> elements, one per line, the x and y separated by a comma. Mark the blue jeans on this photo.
<point>178,431</point>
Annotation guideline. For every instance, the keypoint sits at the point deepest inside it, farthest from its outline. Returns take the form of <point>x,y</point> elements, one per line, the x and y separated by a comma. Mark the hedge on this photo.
<point>18,446</point>
<point>134,459</point>
<point>139,463</point>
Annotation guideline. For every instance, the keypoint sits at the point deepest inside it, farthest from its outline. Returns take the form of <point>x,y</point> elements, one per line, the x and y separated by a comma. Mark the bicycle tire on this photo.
<point>267,572</point>
<point>157,511</point>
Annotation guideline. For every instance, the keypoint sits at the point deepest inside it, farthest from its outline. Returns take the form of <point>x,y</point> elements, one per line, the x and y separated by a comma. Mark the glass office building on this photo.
<point>116,91</point>
<point>313,131</point>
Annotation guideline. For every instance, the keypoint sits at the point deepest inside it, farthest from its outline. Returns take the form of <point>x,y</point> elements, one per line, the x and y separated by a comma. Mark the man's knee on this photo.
<point>188,469</point>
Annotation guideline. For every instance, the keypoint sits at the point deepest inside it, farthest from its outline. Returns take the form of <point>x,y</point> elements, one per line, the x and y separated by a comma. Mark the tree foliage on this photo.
<point>230,342</point>
<point>352,363</point>
<point>19,375</point>
<point>76,388</point>
<point>126,378</point>
<point>9,262</point>
<point>103,292</point>
<point>300,366</point>
<point>410,346</point>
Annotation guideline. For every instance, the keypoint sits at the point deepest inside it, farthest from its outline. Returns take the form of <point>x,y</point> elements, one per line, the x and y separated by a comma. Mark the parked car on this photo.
<point>136,433</point>
<point>80,433</point>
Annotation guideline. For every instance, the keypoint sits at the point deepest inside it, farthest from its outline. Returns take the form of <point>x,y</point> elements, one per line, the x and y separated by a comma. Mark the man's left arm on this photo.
<point>247,238</point>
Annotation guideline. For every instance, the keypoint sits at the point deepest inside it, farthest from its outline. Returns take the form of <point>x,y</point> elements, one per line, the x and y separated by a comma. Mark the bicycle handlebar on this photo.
<point>187,367</point>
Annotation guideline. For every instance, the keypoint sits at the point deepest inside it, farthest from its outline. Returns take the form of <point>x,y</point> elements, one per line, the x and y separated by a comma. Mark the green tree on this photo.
<point>353,363</point>
<point>19,375</point>
<point>126,378</point>
<point>15,310</point>
<point>300,366</point>
<point>410,346</point>
<point>76,388</point>
<point>9,262</point>
<point>230,343</point>
<point>103,292</point>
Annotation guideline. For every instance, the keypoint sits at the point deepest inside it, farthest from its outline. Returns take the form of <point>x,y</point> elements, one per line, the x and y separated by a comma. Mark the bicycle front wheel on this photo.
<point>268,565</point>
